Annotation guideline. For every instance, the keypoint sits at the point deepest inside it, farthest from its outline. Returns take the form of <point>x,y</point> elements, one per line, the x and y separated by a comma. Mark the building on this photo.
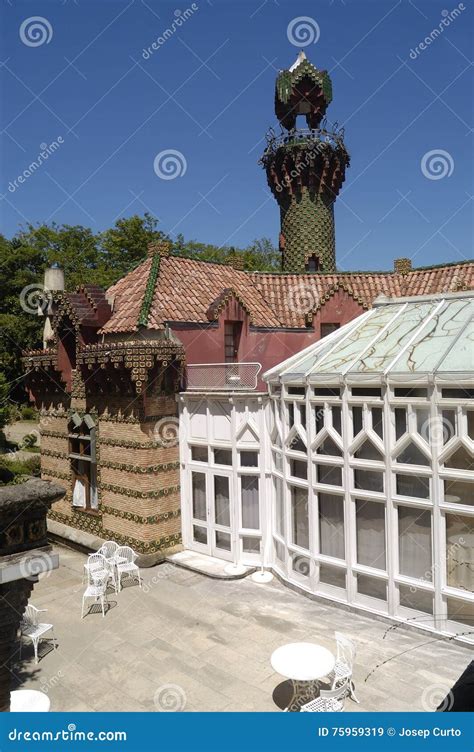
<point>179,333</point>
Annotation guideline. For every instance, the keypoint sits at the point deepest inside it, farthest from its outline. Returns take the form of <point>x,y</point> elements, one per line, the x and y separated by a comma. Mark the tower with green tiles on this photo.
<point>305,168</point>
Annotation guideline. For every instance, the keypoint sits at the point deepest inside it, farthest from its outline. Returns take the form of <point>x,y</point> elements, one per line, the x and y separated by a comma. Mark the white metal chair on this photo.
<point>96,565</point>
<point>125,558</point>
<point>108,549</point>
<point>32,628</point>
<point>343,668</point>
<point>96,589</point>
<point>329,700</point>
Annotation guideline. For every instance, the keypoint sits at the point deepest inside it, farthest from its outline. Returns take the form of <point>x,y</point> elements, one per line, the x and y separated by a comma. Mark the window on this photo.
<point>414,542</point>
<point>298,390</point>
<point>297,444</point>
<point>199,454</point>
<point>223,456</point>
<point>199,496</point>
<point>457,393</point>
<point>459,551</point>
<point>329,447</point>
<point>356,420</point>
<point>331,525</point>
<point>413,597</point>
<point>82,456</point>
<point>368,480</point>
<point>459,492</point>
<point>328,329</point>
<point>461,459</point>
<point>366,391</point>
<point>368,451</point>
<point>324,391</point>
<point>250,502</point>
<point>461,611</point>
<point>377,421</point>
<point>412,455</point>
<point>332,576</point>
<point>372,587</point>
<point>336,419</point>
<point>300,565</point>
<point>280,507</point>
<point>410,391</point>
<point>249,459</point>
<point>250,545</point>
<point>313,263</point>
<point>413,485</point>
<point>400,422</point>
<point>319,417</point>
<point>221,500</point>
<point>299,514</point>
<point>329,474</point>
<point>299,469</point>
<point>370,531</point>
<point>232,332</point>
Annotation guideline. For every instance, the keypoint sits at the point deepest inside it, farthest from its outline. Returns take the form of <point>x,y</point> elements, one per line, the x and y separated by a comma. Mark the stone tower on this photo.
<point>305,169</point>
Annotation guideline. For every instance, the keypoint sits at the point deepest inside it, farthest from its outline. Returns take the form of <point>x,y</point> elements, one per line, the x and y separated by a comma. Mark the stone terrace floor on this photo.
<point>199,644</point>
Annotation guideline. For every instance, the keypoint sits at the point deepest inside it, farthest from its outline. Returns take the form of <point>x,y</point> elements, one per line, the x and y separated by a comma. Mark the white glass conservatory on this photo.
<point>363,465</point>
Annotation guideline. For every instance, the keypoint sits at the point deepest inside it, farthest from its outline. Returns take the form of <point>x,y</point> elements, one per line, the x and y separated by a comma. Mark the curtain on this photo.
<point>331,525</point>
<point>370,517</point>
<point>250,502</point>
<point>79,494</point>
<point>199,496</point>
<point>460,552</point>
<point>414,543</point>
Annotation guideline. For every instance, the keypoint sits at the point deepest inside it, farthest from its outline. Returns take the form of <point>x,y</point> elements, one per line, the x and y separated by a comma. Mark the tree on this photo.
<point>124,246</point>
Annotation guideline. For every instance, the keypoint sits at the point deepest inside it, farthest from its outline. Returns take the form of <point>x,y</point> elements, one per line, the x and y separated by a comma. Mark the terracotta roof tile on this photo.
<point>187,289</point>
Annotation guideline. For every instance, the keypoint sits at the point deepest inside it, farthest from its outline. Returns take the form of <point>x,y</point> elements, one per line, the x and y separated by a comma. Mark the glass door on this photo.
<point>221,516</point>
<point>199,512</point>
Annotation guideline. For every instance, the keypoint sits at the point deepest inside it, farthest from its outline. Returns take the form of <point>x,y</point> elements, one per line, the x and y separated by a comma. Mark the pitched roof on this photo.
<point>185,290</point>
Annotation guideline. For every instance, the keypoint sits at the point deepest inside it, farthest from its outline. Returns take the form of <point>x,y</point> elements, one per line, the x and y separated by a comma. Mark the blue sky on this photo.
<point>207,92</point>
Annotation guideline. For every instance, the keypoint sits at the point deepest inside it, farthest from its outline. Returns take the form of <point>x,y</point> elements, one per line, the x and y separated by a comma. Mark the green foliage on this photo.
<point>4,407</point>
<point>16,471</point>
<point>28,413</point>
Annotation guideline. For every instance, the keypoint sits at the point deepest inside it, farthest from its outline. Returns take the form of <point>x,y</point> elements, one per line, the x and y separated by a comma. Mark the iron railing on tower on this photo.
<point>216,377</point>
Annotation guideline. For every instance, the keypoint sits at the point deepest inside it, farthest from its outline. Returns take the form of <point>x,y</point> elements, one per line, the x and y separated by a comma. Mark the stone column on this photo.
<point>24,554</point>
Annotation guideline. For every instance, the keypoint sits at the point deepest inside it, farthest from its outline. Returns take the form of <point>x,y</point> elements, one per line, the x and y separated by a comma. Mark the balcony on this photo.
<point>218,377</point>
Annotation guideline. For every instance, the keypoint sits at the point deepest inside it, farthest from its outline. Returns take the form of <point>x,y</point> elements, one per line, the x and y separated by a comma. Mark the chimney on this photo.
<point>236,261</point>
<point>163,247</point>
<point>402,266</point>
<point>54,278</point>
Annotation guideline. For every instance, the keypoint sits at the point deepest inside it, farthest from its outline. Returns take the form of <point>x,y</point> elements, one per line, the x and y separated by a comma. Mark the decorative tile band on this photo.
<point>93,525</point>
<point>153,519</point>
<point>54,453</point>
<point>140,494</point>
<point>125,444</point>
<point>55,473</point>
<point>140,470</point>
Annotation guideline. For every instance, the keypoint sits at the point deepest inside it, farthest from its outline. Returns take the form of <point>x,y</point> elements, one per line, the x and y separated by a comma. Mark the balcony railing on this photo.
<point>217,377</point>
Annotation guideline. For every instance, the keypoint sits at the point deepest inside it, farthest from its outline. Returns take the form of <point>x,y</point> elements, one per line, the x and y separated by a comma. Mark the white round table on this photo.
<point>29,701</point>
<point>304,663</point>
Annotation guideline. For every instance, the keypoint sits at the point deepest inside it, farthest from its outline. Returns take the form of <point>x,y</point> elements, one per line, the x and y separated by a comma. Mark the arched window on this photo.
<point>313,264</point>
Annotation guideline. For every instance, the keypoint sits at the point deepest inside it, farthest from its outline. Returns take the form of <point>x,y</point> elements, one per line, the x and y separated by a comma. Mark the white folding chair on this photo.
<point>329,700</point>
<point>343,668</point>
<point>96,589</point>
<point>125,563</point>
<point>33,629</point>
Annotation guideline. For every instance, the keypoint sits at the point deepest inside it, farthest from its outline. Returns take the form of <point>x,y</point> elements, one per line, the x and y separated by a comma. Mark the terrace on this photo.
<point>188,642</point>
